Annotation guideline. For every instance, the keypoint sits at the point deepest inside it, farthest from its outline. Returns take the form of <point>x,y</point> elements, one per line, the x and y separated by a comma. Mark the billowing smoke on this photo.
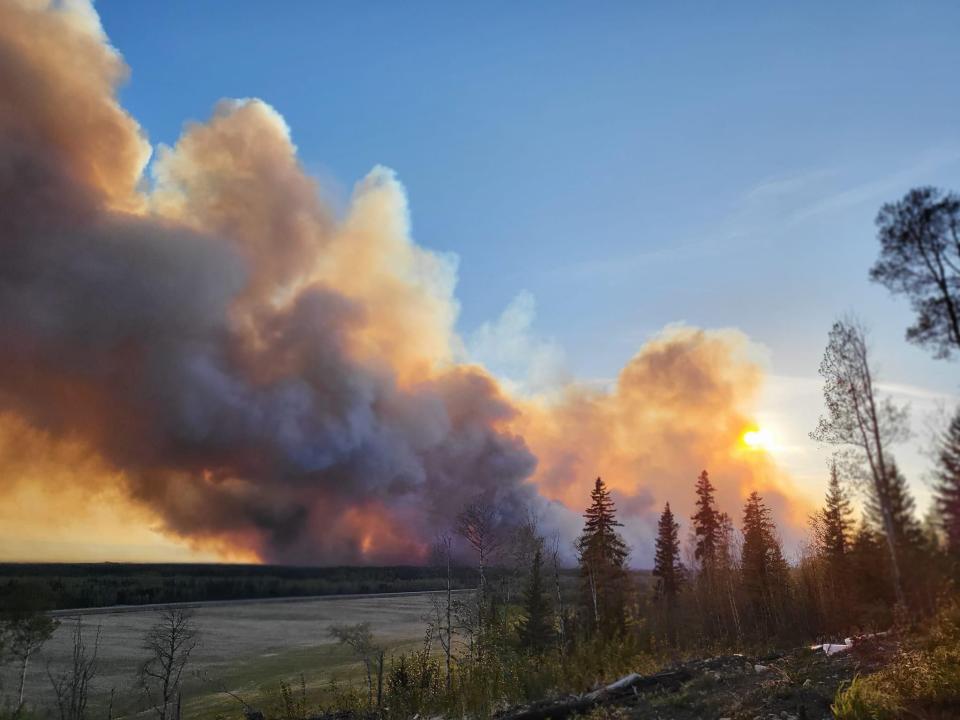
<point>265,377</point>
<point>681,405</point>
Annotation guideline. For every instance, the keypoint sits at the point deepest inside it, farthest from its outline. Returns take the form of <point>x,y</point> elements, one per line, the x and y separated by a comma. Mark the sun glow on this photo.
<point>758,439</point>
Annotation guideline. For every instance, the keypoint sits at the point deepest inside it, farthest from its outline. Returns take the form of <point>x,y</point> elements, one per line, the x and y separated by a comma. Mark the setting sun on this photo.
<point>758,439</point>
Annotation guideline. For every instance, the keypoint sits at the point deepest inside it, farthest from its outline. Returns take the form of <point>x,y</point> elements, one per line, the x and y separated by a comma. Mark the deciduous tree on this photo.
<point>359,638</point>
<point>169,644</point>
<point>858,418</point>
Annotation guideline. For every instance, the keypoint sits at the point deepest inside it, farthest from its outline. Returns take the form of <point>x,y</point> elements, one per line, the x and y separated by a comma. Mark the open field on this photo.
<point>246,647</point>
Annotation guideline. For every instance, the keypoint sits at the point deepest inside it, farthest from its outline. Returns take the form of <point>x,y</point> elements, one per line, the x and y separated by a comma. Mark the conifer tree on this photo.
<point>948,486</point>
<point>833,535</point>
<point>763,568</point>
<point>535,629</point>
<point>834,525</point>
<point>907,533</point>
<point>667,566</point>
<point>706,525</point>
<point>603,556</point>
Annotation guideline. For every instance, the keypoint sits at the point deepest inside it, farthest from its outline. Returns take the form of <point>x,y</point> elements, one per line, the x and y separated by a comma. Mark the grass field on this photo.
<point>247,648</point>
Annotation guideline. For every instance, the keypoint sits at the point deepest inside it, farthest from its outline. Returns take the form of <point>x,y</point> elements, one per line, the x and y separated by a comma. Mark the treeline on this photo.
<point>78,585</point>
<point>730,586</point>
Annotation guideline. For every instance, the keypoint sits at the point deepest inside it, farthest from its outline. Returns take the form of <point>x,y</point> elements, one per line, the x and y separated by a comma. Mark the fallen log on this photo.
<point>623,688</point>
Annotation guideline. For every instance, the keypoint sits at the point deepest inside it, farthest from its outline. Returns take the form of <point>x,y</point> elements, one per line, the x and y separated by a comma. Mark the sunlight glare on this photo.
<point>758,439</point>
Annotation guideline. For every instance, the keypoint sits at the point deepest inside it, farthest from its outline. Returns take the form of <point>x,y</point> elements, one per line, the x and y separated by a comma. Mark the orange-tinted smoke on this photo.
<point>250,374</point>
<point>679,406</point>
<point>248,367</point>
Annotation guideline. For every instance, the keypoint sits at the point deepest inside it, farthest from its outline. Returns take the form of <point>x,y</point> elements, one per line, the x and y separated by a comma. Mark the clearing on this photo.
<point>246,647</point>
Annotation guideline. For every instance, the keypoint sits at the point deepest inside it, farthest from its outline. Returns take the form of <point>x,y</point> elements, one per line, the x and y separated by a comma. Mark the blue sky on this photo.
<point>629,165</point>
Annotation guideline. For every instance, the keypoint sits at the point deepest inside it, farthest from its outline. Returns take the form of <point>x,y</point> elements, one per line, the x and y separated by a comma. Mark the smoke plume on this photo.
<point>218,352</point>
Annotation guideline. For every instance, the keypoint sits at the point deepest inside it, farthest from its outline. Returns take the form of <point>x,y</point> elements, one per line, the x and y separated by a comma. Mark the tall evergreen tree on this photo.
<point>706,524</point>
<point>907,533</point>
<point>764,571</point>
<point>834,526</point>
<point>948,485</point>
<point>667,566</point>
<point>603,556</point>
<point>833,535</point>
<point>535,629</point>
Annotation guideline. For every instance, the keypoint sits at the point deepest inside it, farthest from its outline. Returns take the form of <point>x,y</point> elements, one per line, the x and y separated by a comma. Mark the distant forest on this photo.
<point>85,585</point>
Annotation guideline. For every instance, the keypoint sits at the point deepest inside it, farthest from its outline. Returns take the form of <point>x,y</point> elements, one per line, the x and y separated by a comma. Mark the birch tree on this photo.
<point>169,642</point>
<point>861,421</point>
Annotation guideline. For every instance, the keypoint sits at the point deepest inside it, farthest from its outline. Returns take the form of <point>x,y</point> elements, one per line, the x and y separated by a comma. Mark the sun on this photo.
<point>758,439</point>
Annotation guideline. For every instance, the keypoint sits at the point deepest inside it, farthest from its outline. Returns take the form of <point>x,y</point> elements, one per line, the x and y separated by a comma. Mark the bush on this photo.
<point>920,681</point>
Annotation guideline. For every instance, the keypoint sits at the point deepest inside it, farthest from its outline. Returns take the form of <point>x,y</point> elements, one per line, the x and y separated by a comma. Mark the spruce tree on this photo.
<point>833,526</point>
<point>764,571</point>
<point>667,566</point>
<point>706,525</point>
<point>535,629</point>
<point>948,486</point>
<point>833,535</point>
<point>603,556</point>
<point>907,533</point>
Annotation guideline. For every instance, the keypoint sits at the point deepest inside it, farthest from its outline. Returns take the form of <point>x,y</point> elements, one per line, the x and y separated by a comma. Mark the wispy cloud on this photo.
<point>769,208</point>
<point>878,190</point>
<point>788,185</point>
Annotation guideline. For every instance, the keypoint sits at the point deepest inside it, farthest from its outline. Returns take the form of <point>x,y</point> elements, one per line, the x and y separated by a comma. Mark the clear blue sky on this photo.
<point>629,164</point>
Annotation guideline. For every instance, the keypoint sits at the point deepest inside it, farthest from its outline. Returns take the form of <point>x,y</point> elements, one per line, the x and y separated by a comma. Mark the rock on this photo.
<point>760,668</point>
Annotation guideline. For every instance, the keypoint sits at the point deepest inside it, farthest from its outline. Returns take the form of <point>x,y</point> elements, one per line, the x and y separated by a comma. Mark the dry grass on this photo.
<point>247,648</point>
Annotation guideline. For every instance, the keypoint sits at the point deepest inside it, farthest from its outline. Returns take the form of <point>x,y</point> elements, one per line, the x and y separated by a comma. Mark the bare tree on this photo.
<point>524,541</point>
<point>72,687</point>
<point>443,611</point>
<point>169,642</point>
<point>856,417</point>
<point>359,638</point>
<point>561,616</point>
<point>477,524</point>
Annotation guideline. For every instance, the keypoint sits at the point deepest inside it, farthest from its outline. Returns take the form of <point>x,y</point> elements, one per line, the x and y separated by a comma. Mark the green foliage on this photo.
<point>292,701</point>
<point>922,680</point>
<point>706,524</point>
<point>81,585</point>
<point>948,485</point>
<point>863,700</point>
<point>535,630</point>
<point>764,571</point>
<point>667,566</point>
<point>415,683</point>
<point>603,557</point>
<point>833,526</point>
<point>919,257</point>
